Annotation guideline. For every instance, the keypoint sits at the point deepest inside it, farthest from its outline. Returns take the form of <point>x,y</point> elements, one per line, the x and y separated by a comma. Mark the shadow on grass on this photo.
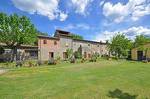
<point>117,93</point>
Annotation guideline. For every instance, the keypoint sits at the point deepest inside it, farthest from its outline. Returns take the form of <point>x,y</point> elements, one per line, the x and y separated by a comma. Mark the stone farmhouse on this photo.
<point>56,46</point>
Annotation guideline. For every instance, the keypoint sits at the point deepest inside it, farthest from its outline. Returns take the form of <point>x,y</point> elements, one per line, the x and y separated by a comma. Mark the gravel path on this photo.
<point>2,71</point>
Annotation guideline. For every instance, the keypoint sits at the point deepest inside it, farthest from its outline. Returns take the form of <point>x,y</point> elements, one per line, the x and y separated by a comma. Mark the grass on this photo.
<point>100,80</point>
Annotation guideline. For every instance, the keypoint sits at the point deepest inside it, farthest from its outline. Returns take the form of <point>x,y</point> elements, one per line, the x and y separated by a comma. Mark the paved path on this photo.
<point>2,71</point>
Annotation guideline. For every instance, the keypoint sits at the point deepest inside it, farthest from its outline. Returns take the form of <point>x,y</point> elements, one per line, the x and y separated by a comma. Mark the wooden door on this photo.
<point>140,55</point>
<point>51,55</point>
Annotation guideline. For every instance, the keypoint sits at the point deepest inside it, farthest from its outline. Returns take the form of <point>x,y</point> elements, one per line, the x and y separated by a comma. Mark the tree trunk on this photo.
<point>110,53</point>
<point>14,54</point>
<point>146,53</point>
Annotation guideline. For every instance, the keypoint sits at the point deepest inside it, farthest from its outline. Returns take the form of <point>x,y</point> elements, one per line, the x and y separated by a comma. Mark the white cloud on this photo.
<point>120,12</point>
<point>115,12</point>
<point>83,26</point>
<point>102,2</point>
<point>81,6</point>
<point>48,8</point>
<point>63,16</point>
<point>130,33</point>
<point>69,27</point>
<point>77,26</point>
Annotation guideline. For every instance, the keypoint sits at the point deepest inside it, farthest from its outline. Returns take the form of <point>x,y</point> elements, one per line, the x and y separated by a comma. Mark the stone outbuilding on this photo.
<point>24,52</point>
<point>141,53</point>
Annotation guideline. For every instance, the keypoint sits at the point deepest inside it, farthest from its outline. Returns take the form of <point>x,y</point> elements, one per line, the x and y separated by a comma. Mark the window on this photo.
<point>97,45</point>
<point>51,55</point>
<point>32,53</point>
<point>85,55</point>
<point>88,44</point>
<point>55,42</point>
<point>89,55</point>
<point>44,41</point>
<point>65,56</point>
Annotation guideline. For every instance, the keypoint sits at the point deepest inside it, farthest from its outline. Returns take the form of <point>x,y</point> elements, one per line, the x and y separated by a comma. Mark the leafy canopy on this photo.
<point>69,52</point>
<point>140,40</point>
<point>119,45</point>
<point>42,33</point>
<point>75,36</point>
<point>16,30</point>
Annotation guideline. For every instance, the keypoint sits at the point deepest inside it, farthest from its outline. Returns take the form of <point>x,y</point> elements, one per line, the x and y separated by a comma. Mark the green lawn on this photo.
<point>100,80</point>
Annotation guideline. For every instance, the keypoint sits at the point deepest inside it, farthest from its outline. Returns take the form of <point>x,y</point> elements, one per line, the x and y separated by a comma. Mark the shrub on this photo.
<point>109,58</point>
<point>115,58</point>
<point>145,61</point>
<point>7,64</point>
<point>69,53</point>
<point>58,59</point>
<point>46,62</point>
<point>93,58</point>
<point>96,55</point>
<point>39,63</point>
<point>72,60</point>
<point>148,59</point>
<point>19,63</point>
<point>77,55</point>
<point>83,60</point>
<point>105,57</point>
<point>52,62</point>
<point>30,64</point>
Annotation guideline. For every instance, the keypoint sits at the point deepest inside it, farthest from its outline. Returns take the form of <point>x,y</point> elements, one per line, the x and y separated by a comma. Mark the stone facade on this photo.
<point>48,46</point>
<point>139,54</point>
<point>53,47</point>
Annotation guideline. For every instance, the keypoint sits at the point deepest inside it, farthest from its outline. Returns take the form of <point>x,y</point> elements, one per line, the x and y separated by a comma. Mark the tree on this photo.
<point>16,30</point>
<point>75,36</point>
<point>119,45</point>
<point>42,33</point>
<point>140,40</point>
<point>1,50</point>
<point>77,55</point>
<point>69,53</point>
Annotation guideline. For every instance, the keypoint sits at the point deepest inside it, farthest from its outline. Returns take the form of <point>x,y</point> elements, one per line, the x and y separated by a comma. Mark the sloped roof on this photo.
<point>88,41</point>
<point>24,45</point>
<point>48,37</point>
<point>61,33</point>
<point>146,45</point>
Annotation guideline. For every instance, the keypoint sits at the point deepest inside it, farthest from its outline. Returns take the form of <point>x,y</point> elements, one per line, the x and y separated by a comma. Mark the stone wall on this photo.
<point>134,51</point>
<point>64,43</point>
<point>45,49</point>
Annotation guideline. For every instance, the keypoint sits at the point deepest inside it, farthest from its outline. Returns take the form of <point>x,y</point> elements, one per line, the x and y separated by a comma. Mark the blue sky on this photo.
<point>93,19</point>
